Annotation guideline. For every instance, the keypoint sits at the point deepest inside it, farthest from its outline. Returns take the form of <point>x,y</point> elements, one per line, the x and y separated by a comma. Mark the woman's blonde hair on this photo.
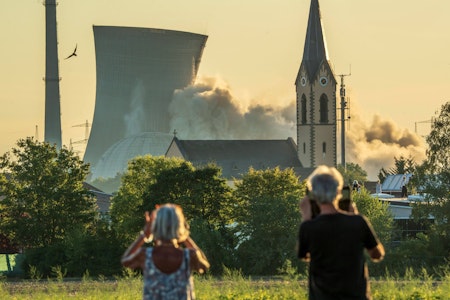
<point>170,223</point>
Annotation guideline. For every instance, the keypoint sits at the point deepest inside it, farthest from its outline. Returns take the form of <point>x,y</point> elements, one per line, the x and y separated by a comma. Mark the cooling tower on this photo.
<point>52,127</point>
<point>138,69</point>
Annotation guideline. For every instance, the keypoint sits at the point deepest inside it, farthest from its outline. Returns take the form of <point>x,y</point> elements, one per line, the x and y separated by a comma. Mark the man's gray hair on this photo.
<point>325,184</point>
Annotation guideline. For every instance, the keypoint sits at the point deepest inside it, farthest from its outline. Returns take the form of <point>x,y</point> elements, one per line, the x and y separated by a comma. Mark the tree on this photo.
<point>352,172</point>
<point>402,165</point>
<point>207,204</point>
<point>438,152</point>
<point>433,177</point>
<point>44,198</point>
<point>377,212</point>
<point>269,219</point>
<point>381,218</point>
<point>127,213</point>
<point>202,193</point>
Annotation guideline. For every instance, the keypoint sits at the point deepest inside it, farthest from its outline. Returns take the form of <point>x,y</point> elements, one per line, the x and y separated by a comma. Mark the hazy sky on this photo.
<point>398,52</point>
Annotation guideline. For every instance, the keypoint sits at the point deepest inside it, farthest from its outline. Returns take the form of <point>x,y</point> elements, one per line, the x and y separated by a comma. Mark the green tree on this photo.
<point>381,218</point>
<point>269,219</point>
<point>126,211</point>
<point>351,172</point>
<point>438,152</point>
<point>203,193</point>
<point>377,212</point>
<point>43,194</point>
<point>402,165</point>
<point>433,177</point>
<point>207,203</point>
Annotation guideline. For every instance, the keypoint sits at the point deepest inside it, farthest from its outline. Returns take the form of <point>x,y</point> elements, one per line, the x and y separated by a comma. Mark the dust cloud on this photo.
<point>208,110</point>
<point>374,145</point>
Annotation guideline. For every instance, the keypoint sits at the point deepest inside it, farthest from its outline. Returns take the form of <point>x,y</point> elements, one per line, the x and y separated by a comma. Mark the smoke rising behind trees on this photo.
<point>209,110</point>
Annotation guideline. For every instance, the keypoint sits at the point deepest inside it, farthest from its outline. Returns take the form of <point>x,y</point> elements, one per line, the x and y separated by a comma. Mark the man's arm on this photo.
<point>306,258</point>
<point>305,209</point>
<point>376,253</point>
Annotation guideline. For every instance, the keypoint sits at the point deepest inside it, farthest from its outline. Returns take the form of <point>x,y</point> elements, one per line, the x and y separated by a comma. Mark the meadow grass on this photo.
<point>3,265</point>
<point>234,287</point>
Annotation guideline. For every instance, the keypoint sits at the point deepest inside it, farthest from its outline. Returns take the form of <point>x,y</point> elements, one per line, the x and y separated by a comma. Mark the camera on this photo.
<point>346,200</point>
<point>315,209</point>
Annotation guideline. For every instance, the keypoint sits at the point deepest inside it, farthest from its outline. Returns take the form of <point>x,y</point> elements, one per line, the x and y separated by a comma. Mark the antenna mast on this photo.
<point>343,119</point>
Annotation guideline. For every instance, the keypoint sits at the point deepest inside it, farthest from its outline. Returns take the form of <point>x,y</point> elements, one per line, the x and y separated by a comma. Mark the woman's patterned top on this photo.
<point>158,285</point>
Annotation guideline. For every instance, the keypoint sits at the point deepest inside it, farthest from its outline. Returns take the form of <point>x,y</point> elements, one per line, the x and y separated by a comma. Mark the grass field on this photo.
<point>3,264</point>
<point>235,287</point>
<point>232,286</point>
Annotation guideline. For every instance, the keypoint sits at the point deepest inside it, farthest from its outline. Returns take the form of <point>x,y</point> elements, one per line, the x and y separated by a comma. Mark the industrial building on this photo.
<point>138,70</point>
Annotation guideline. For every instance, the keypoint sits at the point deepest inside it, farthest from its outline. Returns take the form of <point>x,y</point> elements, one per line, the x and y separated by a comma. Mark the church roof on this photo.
<point>315,50</point>
<point>235,157</point>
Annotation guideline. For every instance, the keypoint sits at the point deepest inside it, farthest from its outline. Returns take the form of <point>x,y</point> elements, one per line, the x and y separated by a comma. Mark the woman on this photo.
<point>167,266</point>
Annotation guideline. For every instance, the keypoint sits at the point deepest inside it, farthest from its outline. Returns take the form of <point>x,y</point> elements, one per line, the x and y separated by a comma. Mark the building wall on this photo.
<point>316,139</point>
<point>138,70</point>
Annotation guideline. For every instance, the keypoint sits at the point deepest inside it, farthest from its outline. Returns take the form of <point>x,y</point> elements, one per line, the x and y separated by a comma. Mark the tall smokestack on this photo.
<point>52,133</point>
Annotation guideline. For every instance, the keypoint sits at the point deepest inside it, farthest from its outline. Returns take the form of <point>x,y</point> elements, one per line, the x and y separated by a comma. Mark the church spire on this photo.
<point>315,51</point>
<point>316,98</point>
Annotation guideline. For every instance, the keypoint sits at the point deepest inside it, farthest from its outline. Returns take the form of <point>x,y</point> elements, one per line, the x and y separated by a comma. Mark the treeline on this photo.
<point>47,213</point>
<point>251,227</point>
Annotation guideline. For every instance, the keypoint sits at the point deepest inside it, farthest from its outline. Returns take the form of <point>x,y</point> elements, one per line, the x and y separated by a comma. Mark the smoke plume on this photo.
<point>373,146</point>
<point>208,110</point>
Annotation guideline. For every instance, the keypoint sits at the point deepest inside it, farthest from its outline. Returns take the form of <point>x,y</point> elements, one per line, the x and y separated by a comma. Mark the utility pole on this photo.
<point>343,119</point>
<point>419,122</point>
<point>86,133</point>
<point>86,125</point>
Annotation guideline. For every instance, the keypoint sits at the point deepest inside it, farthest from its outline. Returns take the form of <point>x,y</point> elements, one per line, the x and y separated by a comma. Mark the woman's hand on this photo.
<point>149,219</point>
<point>148,225</point>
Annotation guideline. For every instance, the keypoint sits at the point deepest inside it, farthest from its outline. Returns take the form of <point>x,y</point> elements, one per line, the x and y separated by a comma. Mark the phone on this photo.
<point>346,199</point>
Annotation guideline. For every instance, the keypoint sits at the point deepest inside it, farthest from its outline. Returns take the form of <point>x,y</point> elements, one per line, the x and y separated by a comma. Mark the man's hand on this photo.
<point>305,209</point>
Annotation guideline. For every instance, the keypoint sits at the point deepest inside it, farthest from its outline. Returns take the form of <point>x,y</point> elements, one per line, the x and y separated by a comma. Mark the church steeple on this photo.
<point>315,51</point>
<point>316,98</point>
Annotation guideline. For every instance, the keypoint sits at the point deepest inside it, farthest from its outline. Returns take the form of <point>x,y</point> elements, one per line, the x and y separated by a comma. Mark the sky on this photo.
<point>396,52</point>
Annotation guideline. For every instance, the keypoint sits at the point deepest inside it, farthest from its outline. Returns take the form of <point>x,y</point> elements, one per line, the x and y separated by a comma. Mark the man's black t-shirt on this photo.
<point>336,245</point>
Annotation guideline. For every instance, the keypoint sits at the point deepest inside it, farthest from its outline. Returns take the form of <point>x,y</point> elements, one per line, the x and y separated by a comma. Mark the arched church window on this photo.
<point>304,148</point>
<point>303,109</point>
<point>323,109</point>
<point>324,147</point>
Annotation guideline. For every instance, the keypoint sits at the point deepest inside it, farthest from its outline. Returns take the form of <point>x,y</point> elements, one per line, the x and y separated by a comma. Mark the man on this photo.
<point>333,242</point>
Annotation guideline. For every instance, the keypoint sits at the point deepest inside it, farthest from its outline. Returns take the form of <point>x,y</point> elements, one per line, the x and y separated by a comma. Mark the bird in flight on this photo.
<point>74,53</point>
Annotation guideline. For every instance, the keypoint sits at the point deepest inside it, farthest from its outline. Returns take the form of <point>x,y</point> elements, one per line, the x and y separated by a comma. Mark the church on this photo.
<point>316,121</point>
